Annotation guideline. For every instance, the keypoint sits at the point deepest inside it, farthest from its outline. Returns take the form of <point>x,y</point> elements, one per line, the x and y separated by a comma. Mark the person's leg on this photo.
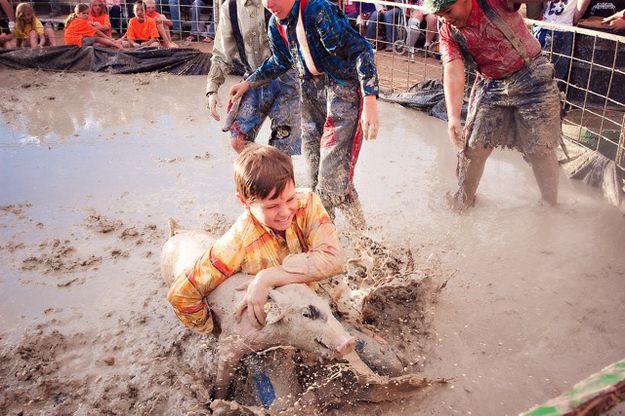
<point>372,27</point>
<point>115,18</point>
<point>248,120</point>
<point>431,29</point>
<point>314,109</point>
<point>55,8</point>
<point>391,18</point>
<point>174,12</point>
<point>33,39</point>
<point>470,179</point>
<point>285,114</point>
<point>339,150</point>
<point>48,32</point>
<point>195,16</point>
<point>545,167</point>
<point>413,31</point>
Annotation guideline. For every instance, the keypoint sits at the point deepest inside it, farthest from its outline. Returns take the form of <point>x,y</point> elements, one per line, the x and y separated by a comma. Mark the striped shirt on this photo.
<point>249,247</point>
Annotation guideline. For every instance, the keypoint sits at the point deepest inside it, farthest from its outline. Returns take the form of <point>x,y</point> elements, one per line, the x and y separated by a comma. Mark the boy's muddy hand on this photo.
<point>454,129</point>
<point>369,121</point>
<point>254,301</point>
<point>238,90</point>
<point>213,103</point>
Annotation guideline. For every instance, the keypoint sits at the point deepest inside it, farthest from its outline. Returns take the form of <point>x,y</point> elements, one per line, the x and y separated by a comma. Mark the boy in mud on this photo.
<point>515,101</point>
<point>283,236</point>
<point>242,36</point>
<point>339,87</point>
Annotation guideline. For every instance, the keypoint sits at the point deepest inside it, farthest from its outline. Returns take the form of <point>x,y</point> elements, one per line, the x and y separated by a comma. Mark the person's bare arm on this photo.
<point>454,93</point>
<point>582,5</point>
<point>7,9</point>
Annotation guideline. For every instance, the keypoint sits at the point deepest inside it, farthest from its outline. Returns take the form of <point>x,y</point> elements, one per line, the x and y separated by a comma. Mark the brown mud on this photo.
<point>84,200</point>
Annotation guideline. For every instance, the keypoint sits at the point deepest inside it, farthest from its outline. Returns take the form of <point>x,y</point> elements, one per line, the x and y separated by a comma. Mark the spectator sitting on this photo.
<point>597,11</point>
<point>388,16</point>
<point>616,21</point>
<point>115,14</point>
<point>358,13</point>
<point>141,29</point>
<point>7,25</point>
<point>29,32</point>
<point>174,14</point>
<point>81,31</point>
<point>414,22</point>
<point>99,18</point>
<point>162,23</point>
<point>195,35</point>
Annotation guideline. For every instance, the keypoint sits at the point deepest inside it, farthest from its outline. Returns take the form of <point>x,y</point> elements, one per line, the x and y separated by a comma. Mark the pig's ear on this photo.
<point>276,309</point>
<point>274,313</point>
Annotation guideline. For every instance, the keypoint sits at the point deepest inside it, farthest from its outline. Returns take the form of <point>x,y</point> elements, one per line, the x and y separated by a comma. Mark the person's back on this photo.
<point>284,236</point>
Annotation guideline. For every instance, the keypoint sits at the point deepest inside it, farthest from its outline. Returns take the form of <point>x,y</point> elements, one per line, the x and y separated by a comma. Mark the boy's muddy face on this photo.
<point>457,14</point>
<point>275,212</point>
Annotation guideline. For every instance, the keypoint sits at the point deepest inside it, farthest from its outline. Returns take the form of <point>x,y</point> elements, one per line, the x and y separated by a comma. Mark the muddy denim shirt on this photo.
<point>336,48</point>
<point>251,19</point>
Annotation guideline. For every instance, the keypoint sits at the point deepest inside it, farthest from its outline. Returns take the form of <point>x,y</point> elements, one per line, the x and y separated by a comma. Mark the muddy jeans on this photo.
<point>280,101</point>
<point>331,137</point>
<point>521,111</point>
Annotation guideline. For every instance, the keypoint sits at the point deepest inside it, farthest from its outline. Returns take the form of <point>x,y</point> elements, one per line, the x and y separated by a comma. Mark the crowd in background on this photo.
<point>115,23</point>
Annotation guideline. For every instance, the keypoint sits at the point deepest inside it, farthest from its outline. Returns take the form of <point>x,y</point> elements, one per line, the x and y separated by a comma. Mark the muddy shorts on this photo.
<point>280,101</point>
<point>520,112</point>
<point>331,136</point>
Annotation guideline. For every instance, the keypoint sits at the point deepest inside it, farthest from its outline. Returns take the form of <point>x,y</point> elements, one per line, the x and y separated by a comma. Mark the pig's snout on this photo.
<point>347,346</point>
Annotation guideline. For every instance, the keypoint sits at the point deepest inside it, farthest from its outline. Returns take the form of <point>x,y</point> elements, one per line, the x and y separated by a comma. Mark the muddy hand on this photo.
<point>454,129</point>
<point>213,103</point>
<point>254,301</point>
<point>369,121</point>
<point>238,90</point>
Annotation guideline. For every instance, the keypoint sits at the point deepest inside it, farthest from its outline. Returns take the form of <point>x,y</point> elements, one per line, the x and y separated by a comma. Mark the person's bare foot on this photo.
<point>171,45</point>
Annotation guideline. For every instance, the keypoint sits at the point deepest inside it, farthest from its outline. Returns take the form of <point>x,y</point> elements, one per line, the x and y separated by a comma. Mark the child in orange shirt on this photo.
<point>141,29</point>
<point>80,31</point>
<point>99,17</point>
<point>29,32</point>
<point>162,23</point>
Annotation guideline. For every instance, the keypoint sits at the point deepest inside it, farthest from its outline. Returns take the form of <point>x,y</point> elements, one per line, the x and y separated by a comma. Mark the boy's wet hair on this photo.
<point>262,172</point>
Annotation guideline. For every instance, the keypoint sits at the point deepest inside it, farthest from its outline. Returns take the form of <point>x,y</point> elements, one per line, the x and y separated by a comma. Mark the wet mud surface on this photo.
<point>497,301</point>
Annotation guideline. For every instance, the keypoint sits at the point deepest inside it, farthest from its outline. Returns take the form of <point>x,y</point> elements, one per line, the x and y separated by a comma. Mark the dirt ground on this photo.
<point>93,165</point>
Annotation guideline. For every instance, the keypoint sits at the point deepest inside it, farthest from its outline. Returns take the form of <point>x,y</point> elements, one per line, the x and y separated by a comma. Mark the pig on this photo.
<point>296,315</point>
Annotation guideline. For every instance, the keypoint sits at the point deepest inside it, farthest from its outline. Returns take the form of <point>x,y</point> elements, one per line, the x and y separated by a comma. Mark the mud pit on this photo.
<point>92,165</point>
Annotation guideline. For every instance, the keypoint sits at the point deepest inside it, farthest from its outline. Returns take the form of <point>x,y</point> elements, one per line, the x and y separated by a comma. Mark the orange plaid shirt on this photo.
<point>249,247</point>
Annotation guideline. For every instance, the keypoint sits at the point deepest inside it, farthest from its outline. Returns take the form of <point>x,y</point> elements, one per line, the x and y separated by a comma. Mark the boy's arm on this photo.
<point>188,292</point>
<point>325,258</point>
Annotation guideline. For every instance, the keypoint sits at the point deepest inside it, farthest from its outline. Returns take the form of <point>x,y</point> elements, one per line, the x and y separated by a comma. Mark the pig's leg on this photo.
<point>229,357</point>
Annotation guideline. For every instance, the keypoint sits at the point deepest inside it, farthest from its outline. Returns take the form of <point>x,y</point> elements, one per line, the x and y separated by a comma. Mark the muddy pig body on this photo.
<point>296,315</point>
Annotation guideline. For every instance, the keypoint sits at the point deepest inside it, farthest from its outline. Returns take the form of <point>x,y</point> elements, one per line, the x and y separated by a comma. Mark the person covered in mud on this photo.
<point>29,31</point>
<point>515,101</point>
<point>141,29</point>
<point>283,236</point>
<point>241,38</point>
<point>339,87</point>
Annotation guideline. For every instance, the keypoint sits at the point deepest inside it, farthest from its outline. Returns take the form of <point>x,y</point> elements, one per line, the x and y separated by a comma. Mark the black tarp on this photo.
<point>180,61</point>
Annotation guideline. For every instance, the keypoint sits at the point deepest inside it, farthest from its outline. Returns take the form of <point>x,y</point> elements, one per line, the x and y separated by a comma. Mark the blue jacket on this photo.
<point>336,48</point>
